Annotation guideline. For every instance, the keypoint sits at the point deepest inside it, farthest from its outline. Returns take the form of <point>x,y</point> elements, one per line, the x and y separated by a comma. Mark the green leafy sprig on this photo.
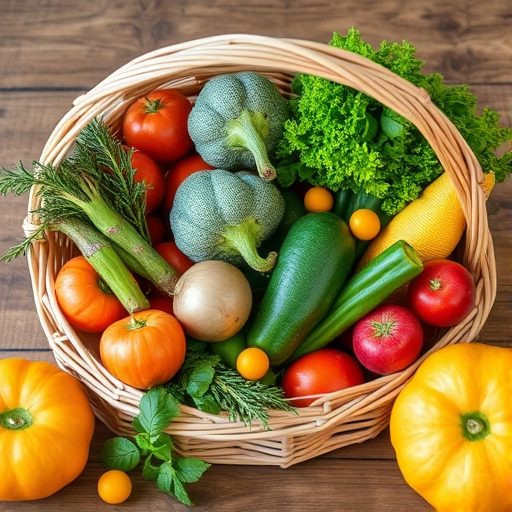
<point>154,448</point>
<point>98,167</point>
<point>343,139</point>
<point>206,383</point>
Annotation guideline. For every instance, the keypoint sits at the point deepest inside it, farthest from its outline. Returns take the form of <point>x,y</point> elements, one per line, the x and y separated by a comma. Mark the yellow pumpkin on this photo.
<point>451,428</point>
<point>46,426</point>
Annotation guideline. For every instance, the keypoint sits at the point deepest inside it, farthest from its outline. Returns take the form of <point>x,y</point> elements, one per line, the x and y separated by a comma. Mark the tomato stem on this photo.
<point>475,426</point>
<point>16,419</point>
<point>382,329</point>
<point>435,284</point>
<point>152,106</point>
<point>136,323</point>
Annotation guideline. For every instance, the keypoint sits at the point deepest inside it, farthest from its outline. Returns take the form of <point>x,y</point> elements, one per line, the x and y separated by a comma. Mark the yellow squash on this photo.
<point>46,425</point>
<point>433,223</point>
<point>451,428</point>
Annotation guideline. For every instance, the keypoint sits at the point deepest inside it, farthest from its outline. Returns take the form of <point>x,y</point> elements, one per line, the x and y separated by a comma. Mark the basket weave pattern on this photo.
<point>335,420</point>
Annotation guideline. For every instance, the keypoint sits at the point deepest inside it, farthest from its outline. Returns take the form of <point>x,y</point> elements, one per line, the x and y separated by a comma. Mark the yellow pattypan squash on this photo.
<point>46,426</point>
<point>451,428</point>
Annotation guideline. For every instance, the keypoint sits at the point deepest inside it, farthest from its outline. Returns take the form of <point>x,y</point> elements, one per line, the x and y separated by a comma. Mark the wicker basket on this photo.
<point>340,418</point>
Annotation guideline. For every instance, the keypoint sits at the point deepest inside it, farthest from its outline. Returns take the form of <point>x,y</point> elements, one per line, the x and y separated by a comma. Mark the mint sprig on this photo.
<point>155,448</point>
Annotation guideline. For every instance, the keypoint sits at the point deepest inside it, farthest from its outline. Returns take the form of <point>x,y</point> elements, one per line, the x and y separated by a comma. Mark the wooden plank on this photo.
<point>326,483</point>
<point>62,46</point>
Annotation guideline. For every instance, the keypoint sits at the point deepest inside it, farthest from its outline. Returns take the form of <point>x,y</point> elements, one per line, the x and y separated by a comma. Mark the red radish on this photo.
<point>388,339</point>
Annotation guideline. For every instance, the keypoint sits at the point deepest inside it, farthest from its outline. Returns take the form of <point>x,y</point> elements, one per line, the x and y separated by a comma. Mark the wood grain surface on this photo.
<point>51,51</point>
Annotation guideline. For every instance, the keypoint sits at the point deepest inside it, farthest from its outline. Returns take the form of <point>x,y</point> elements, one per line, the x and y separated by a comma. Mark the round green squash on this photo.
<point>223,215</point>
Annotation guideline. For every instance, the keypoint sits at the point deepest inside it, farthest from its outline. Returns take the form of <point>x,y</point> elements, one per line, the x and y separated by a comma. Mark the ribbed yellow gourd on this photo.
<point>433,223</point>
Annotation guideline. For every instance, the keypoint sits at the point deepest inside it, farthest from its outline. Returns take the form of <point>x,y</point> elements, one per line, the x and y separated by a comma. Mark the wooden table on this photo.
<point>53,51</point>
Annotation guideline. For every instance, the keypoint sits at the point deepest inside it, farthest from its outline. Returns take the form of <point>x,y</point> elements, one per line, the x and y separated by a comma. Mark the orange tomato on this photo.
<point>145,349</point>
<point>87,303</point>
<point>364,224</point>
<point>114,487</point>
<point>318,199</point>
<point>252,363</point>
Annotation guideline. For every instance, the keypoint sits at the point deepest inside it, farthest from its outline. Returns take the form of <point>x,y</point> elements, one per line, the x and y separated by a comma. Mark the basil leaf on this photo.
<point>180,492</point>
<point>143,442</point>
<point>199,379</point>
<point>190,469</point>
<point>120,453</point>
<point>157,408</point>
<point>162,447</point>
<point>207,403</point>
<point>149,470</point>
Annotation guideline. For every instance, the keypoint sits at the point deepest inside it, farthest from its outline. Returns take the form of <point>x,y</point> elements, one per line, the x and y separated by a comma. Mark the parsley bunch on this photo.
<point>341,138</point>
<point>154,448</point>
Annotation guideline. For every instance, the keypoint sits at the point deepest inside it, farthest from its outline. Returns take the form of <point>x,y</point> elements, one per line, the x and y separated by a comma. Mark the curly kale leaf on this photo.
<point>347,140</point>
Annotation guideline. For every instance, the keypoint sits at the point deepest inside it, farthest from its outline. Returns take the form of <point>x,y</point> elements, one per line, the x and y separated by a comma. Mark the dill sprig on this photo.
<point>99,154</point>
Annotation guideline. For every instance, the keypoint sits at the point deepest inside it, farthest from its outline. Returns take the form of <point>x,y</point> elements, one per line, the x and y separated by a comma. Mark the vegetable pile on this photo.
<point>241,254</point>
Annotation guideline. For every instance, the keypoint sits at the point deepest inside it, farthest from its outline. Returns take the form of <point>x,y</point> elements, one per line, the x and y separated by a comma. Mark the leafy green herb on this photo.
<point>155,448</point>
<point>94,185</point>
<point>342,139</point>
<point>206,383</point>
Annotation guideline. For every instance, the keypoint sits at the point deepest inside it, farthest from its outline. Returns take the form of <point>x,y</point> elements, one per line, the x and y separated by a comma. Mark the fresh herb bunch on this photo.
<point>95,187</point>
<point>206,383</point>
<point>154,448</point>
<point>343,139</point>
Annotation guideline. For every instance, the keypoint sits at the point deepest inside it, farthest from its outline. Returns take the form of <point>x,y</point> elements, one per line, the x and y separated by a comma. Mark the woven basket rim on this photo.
<point>186,66</point>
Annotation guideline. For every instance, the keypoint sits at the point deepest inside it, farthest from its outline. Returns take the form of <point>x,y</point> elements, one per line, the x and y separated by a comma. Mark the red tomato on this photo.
<point>161,303</point>
<point>320,372</point>
<point>178,172</point>
<point>388,339</point>
<point>157,125</point>
<point>148,171</point>
<point>443,294</point>
<point>170,253</point>
<point>156,229</point>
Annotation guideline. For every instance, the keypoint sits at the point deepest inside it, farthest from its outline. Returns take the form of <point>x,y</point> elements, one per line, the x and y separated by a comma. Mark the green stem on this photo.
<point>243,239</point>
<point>475,426</point>
<point>383,329</point>
<point>16,419</point>
<point>117,229</point>
<point>100,253</point>
<point>248,131</point>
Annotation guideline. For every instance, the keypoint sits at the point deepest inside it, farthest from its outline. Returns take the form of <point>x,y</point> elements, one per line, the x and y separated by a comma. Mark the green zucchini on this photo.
<point>315,259</point>
<point>393,268</point>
